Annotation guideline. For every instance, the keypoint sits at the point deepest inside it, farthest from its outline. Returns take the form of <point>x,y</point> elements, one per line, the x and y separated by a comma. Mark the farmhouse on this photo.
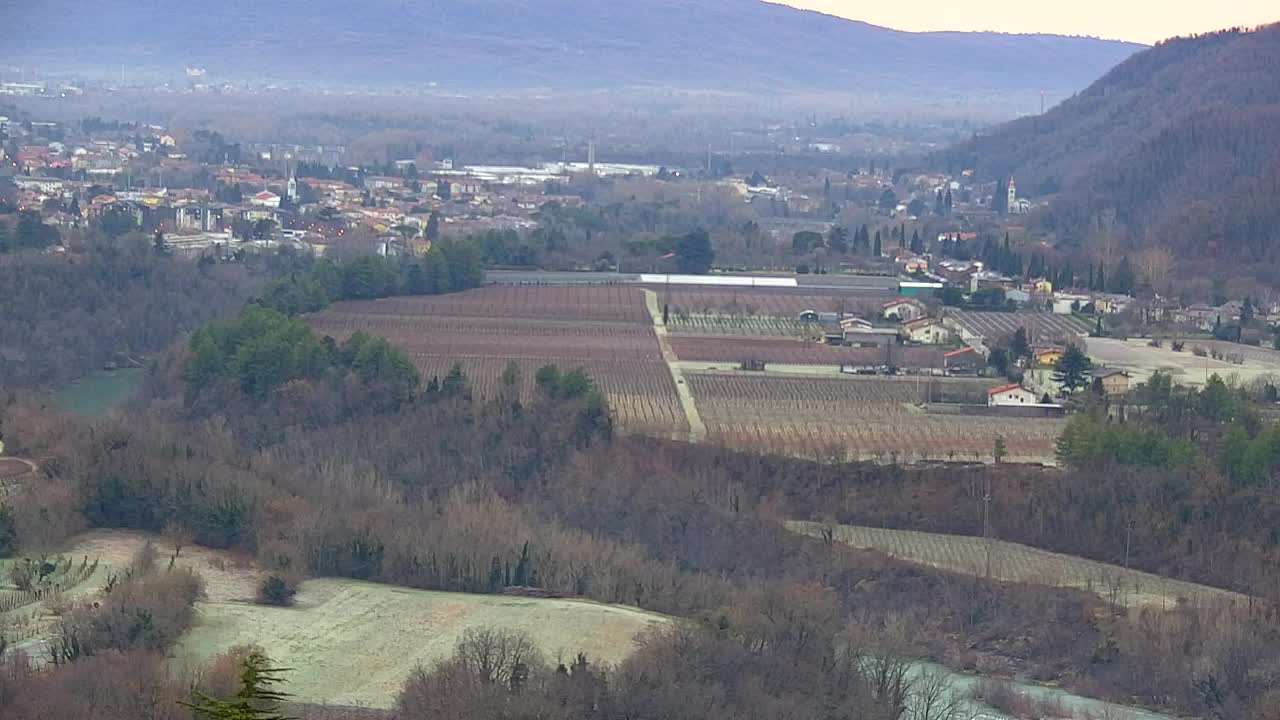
<point>1114,382</point>
<point>1047,357</point>
<point>1013,394</point>
<point>927,331</point>
<point>904,309</point>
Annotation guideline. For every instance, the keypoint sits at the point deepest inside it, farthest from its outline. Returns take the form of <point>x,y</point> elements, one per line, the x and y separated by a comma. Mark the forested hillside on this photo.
<point>69,314</point>
<point>1179,145</point>
<point>734,45</point>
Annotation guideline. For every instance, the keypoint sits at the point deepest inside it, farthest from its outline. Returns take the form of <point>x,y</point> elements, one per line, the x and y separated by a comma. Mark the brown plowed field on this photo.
<point>604,303</point>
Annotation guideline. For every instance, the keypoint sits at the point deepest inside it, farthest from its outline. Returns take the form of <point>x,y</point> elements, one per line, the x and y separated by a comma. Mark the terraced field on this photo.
<point>1012,562</point>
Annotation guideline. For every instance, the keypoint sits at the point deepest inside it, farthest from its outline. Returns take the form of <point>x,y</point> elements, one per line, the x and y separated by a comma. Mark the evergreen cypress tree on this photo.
<point>1072,370</point>
<point>256,699</point>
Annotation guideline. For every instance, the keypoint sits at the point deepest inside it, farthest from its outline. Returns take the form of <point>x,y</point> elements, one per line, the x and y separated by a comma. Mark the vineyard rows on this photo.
<point>501,337</point>
<point>1011,562</point>
<point>1040,327</point>
<point>754,325</point>
<point>65,576</point>
<point>606,330</point>
<point>855,419</point>
<point>799,352</point>
<point>773,302</point>
<point>601,303</point>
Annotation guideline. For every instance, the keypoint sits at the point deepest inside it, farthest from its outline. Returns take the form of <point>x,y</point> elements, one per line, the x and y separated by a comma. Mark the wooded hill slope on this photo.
<point>733,45</point>
<point>1178,146</point>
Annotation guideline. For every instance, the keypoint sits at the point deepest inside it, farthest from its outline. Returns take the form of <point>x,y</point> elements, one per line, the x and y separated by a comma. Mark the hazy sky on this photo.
<point>1144,21</point>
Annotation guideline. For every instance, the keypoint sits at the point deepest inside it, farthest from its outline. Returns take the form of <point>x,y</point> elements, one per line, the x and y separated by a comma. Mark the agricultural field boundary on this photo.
<point>697,430</point>
<point>1012,562</point>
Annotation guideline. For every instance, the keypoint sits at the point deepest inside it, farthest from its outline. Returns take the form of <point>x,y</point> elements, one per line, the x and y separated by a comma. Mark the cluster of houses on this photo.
<point>906,322</point>
<point>73,177</point>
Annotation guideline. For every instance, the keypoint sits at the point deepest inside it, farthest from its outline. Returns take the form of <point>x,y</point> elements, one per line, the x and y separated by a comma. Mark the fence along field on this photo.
<point>845,419</point>
<point>607,330</point>
<point>1011,562</point>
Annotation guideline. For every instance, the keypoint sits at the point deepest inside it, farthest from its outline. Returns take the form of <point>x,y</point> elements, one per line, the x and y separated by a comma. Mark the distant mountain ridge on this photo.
<point>734,45</point>
<point>1178,146</point>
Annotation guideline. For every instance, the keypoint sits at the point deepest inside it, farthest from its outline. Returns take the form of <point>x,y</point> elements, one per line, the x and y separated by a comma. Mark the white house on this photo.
<point>905,309</point>
<point>927,331</point>
<point>1013,394</point>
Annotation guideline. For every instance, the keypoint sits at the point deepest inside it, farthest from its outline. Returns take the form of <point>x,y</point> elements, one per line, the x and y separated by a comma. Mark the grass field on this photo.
<point>1012,562</point>
<point>1140,360</point>
<point>352,643</point>
<point>355,643</point>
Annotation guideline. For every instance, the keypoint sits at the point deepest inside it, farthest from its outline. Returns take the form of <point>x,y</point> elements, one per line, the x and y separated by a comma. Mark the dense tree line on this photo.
<point>447,267</point>
<point>67,315</point>
<point>262,350</point>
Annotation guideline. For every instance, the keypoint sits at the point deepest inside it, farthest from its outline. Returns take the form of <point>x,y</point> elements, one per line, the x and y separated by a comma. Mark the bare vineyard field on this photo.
<point>603,303</point>
<point>641,394</point>
<point>606,330</point>
<point>747,325</point>
<point>1011,562</point>
<point>844,419</point>
<point>799,352</point>
<point>772,302</point>
<point>504,337</point>
<point>1040,327</point>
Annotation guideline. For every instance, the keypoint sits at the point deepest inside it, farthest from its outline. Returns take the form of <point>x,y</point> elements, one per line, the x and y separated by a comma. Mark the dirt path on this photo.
<point>1011,562</point>
<point>697,430</point>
